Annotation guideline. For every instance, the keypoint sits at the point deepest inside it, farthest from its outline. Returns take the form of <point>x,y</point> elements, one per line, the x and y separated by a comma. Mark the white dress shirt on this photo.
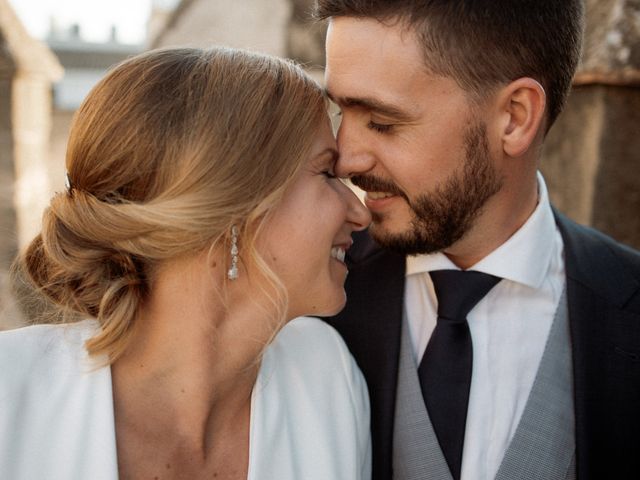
<point>309,407</point>
<point>509,328</point>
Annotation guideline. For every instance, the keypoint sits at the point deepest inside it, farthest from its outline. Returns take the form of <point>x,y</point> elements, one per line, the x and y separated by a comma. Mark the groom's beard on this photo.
<point>444,216</point>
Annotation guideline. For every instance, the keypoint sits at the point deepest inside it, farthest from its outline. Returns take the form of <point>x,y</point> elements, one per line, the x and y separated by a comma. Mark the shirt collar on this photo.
<point>523,258</point>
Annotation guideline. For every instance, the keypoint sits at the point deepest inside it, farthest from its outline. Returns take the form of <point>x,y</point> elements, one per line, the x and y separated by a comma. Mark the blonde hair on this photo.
<point>166,153</point>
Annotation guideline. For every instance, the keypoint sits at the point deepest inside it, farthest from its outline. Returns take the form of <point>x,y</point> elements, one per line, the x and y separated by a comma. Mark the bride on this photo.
<point>202,216</point>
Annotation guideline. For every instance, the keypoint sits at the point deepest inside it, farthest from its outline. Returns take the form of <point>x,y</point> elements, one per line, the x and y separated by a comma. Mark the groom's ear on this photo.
<point>521,113</point>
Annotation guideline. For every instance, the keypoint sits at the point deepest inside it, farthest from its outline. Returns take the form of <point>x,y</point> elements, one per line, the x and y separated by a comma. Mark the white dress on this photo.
<point>309,408</point>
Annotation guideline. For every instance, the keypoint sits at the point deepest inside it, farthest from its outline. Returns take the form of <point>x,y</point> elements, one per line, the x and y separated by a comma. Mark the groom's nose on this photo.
<point>356,157</point>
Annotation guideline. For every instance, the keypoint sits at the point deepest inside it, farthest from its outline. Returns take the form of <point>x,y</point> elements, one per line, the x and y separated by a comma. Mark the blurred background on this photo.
<point>53,51</point>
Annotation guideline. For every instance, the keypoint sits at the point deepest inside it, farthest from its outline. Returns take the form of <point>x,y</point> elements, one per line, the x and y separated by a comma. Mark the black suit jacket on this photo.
<point>603,293</point>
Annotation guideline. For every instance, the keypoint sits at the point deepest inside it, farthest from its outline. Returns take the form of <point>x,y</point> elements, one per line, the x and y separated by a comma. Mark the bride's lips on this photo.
<point>339,250</point>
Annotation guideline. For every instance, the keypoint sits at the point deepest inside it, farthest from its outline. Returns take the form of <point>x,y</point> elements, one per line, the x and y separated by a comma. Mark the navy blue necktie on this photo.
<point>445,368</point>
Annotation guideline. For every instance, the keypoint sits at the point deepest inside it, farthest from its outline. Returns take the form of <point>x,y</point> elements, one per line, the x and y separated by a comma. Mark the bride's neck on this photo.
<point>193,359</point>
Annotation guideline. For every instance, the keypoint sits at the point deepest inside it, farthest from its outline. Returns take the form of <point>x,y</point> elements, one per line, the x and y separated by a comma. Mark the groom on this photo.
<point>498,338</point>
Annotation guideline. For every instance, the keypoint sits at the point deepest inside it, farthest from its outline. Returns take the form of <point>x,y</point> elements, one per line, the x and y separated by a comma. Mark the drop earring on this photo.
<point>232,274</point>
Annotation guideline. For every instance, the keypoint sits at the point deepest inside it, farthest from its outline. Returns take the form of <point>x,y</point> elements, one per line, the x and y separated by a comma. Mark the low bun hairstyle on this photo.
<point>166,153</point>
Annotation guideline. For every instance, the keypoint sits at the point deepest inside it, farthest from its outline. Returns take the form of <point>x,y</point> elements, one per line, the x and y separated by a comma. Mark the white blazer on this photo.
<point>309,407</point>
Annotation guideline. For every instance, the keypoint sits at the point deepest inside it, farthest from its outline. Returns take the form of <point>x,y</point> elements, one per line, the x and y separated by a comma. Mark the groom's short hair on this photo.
<point>483,44</point>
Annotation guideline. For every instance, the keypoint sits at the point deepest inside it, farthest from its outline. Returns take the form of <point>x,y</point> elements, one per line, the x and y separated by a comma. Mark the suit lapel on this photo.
<point>604,336</point>
<point>371,325</point>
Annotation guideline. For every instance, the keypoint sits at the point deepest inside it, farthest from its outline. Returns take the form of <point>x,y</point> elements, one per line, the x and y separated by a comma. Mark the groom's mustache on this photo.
<point>375,184</point>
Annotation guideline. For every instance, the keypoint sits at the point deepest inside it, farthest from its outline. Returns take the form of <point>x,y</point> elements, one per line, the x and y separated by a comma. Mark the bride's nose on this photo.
<point>357,214</point>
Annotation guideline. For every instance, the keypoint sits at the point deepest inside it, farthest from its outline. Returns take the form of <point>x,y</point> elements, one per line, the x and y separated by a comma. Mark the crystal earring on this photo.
<point>67,183</point>
<point>232,274</point>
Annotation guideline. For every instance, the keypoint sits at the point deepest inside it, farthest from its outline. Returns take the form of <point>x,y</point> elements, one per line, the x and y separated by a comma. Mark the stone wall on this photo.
<point>9,316</point>
<point>27,188</point>
<point>27,70</point>
<point>8,221</point>
<point>31,132</point>
<point>305,37</point>
<point>592,155</point>
<point>592,160</point>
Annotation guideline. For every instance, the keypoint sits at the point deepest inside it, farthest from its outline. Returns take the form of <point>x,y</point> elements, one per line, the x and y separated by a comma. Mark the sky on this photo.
<point>95,17</point>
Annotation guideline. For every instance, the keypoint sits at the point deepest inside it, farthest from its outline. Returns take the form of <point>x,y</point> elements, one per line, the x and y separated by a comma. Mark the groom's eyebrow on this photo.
<point>373,105</point>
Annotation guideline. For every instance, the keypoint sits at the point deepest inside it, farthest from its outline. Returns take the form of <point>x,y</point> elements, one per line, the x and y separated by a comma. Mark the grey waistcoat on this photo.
<point>543,446</point>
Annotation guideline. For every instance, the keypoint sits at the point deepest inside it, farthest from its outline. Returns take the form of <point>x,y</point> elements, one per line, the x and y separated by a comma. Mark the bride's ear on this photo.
<point>522,115</point>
